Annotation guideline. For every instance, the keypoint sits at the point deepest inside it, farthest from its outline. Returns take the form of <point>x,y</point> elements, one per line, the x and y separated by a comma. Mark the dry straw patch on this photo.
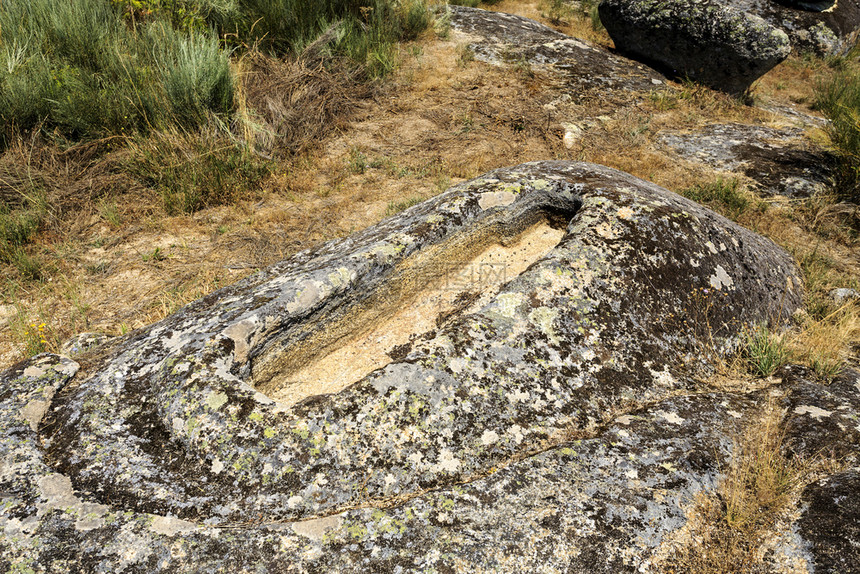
<point>730,530</point>
<point>290,105</point>
<point>826,344</point>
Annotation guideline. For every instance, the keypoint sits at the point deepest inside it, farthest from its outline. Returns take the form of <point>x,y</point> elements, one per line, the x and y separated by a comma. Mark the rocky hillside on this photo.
<point>551,297</point>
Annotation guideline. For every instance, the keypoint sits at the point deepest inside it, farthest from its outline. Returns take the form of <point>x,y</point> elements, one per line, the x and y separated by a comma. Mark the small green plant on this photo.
<point>556,11</point>
<point>588,8</point>
<point>524,67</point>
<point>664,100</point>
<point>443,182</point>
<point>465,55</point>
<point>98,268</point>
<point>816,268</point>
<point>395,207</point>
<point>109,211</point>
<point>34,335</point>
<point>764,351</point>
<point>726,196</point>
<point>29,266</point>
<point>155,255</point>
<point>442,23</point>
<point>826,366</point>
<point>357,162</point>
<point>467,123</point>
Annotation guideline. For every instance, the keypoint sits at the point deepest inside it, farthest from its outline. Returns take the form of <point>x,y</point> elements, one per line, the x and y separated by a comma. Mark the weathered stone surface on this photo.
<point>824,28</point>
<point>586,69</point>
<point>780,161</point>
<point>831,522</point>
<point>83,342</point>
<point>823,420</point>
<point>165,456</point>
<point>590,505</point>
<point>25,397</point>
<point>710,42</point>
<point>844,295</point>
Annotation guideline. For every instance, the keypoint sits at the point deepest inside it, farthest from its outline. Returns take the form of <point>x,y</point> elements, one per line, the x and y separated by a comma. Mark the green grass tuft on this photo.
<point>765,351</point>
<point>18,225</point>
<point>395,207</point>
<point>193,171</point>
<point>726,196</point>
<point>839,100</point>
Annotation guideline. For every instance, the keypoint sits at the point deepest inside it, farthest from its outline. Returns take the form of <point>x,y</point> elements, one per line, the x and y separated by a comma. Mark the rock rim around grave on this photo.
<point>169,442</point>
<point>703,40</point>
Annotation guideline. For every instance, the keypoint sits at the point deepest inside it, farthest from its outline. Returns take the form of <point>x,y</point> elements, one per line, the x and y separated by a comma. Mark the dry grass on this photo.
<point>823,239</point>
<point>292,104</point>
<point>793,81</point>
<point>824,344</point>
<point>728,530</point>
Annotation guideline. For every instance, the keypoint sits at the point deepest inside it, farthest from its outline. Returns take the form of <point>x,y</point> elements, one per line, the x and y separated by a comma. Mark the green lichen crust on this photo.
<point>165,453</point>
<point>707,41</point>
<point>825,28</point>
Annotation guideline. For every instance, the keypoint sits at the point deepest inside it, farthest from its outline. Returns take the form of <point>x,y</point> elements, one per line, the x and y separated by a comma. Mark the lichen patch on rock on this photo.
<point>511,405</point>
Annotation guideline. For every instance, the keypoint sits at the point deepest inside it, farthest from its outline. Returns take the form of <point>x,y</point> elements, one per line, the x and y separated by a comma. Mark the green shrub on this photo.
<point>765,351</point>
<point>839,100</point>
<point>75,67</point>
<point>195,73</point>
<point>91,68</point>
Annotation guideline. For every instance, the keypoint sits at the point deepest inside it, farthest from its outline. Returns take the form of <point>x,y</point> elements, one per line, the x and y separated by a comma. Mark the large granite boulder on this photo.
<point>502,378</point>
<point>709,42</point>
<point>831,522</point>
<point>824,421</point>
